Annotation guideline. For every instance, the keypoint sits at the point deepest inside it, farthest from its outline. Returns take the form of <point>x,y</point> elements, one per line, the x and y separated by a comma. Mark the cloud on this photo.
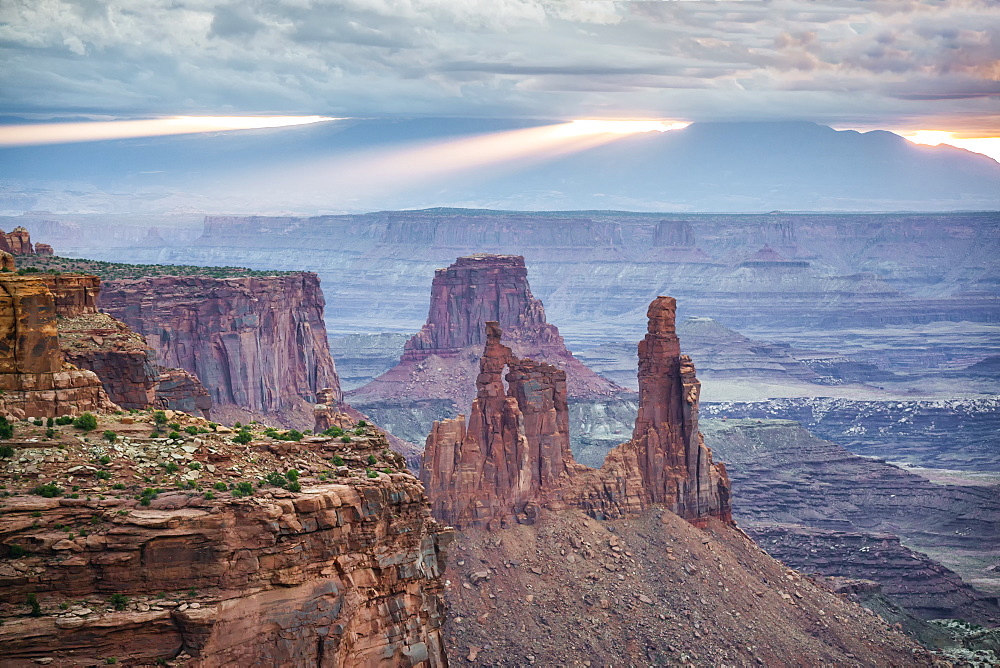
<point>899,59</point>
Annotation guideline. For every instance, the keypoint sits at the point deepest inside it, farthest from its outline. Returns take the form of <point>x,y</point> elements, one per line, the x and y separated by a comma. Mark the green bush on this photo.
<point>192,429</point>
<point>6,451</point>
<point>387,470</point>
<point>174,436</point>
<point>292,475</point>
<point>50,433</point>
<point>16,551</point>
<point>103,475</point>
<point>362,423</point>
<point>294,486</point>
<point>6,429</point>
<point>50,422</point>
<point>174,425</point>
<point>171,467</point>
<point>209,496</point>
<point>243,489</point>
<point>49,491</point>
<point>118,485</point>
<point>36,608</point>
<point>370,473</point>
<point>372,460</point>
<point>159,417</point>
<point>37,422</point>
<point>64,420</point>
<point>345,439</point>
<point>118,601</point>
<point>110,436</point>
<point>243,437</point>
<point>336,432</point>
<point>221,486</point>
<point>194,466</point>
<point>338,460</point>
<point>86,422</point>
<point>104,459</point>
<point>359,431</point>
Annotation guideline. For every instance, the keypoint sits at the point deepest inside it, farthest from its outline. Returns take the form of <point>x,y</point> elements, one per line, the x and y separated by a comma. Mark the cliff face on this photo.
<point>17,242</point>
<point>33,376</point>
<point>514,454</point>
<point>440,361</point>
<point>337,573</point>
<point>75,294</point>
<point>256,342</point>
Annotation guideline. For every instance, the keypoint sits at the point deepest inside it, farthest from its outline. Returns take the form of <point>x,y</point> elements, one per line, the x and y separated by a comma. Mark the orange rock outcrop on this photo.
<point>513,455</point>
<point>33,376</point>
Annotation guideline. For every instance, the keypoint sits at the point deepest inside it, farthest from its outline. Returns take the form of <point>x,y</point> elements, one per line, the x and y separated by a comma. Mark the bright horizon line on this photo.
<point>87,131</point>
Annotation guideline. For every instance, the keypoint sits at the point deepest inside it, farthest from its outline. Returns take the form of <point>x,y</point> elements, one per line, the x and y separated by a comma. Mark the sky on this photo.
<point>901,65</point>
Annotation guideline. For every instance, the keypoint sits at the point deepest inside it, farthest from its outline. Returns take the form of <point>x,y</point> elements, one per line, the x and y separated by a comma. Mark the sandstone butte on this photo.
<point>513,457</point>
<point>18,242</point>
<point>257,343</point>
<point>440,360</point>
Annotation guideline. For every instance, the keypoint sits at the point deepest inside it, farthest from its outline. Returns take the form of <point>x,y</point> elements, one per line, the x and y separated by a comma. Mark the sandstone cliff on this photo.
<point>35,380</point>
<point>238,554</point>
<point>258,343</point>
<point>17,242</point>
<point>514,457</point>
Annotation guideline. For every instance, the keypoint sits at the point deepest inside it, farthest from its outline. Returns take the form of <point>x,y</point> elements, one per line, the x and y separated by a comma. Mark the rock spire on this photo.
<point>513,455</point>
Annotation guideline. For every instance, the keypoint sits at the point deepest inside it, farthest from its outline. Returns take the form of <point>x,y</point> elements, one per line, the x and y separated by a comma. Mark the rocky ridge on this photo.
<point>514,457</point>
<point>192,548</point>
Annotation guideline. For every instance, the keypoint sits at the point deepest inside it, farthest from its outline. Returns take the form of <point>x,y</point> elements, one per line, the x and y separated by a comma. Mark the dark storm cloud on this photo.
<point>830,61</point>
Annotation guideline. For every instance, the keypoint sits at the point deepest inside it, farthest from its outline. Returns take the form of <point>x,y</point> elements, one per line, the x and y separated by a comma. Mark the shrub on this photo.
<point>37,422</point>
<point>345,439</point>
<point>194,466</point>
<point>174,425</point>
<point>372,460</point>
<point>387,470</point>
<point>338,460</point>
<point>362,423</point>
<point>292,475</point>
<point>243,489</point>
<point>50,422</point>
<point>294,486</point>
<point>221,486</point>
<point>118,601</point>
<point>159,417</point>
<point>274,478</point>
<point>103,475</point>
<point>359,431</point>
<point>49,491</point>
<point>6,451</point>
<point>50,433</point>
<point>36,608</point>
<point>174,436</point>
<point>209,496</point>
<point>110,437</point>
<point>6,429</point>
<point>334,431</point>
<point>171,467</point>
<point>64,420</point>
<point>243,437</point>
<point>16,551</point>
<point>86,422</point>
<point>105,459</point>
<point>370,473</point>
<point>118,485</point>
<point>192,429</point>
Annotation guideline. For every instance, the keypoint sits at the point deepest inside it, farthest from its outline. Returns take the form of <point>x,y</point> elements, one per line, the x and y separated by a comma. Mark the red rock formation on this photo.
<point>43,249</point>
<point>75,294</point>
<point>181,390</point>
<point>515,452</point>
<point>7,262</point>
<point>17,242</point>
<point>255,342</point>
<point>440,360</point>
<point>514,455</point>
<point>667,448</point>
<point>34,380</point>
<point>345,574</point>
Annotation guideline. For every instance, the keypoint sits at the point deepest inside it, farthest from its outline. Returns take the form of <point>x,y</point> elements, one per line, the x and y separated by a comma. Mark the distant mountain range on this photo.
<point>724,167</point>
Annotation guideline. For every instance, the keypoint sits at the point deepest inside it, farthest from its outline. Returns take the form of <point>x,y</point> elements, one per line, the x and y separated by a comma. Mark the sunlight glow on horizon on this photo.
<point>596,126</point>
<point>66,133</point>
<point>988,146</point>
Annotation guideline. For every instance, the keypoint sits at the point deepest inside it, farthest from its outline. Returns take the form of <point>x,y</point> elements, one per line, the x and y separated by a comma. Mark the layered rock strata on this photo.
<point>35,380</point>
<point>258,343</point>
<point>513,456</point>
<point>181,390</point>
<point>17,242</point>
<point>439,362</point>
<point>342,572</point>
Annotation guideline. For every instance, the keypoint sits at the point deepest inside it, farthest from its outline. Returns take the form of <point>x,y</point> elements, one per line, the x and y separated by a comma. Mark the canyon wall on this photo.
<point>35,380</point>
<point>513,457</point>
<point>258,343</point>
